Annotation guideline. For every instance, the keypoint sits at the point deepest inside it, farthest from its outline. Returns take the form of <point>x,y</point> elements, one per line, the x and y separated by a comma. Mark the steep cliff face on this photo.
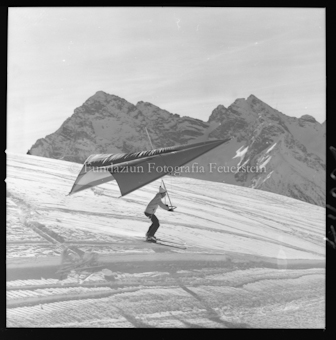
<point>268,150</point>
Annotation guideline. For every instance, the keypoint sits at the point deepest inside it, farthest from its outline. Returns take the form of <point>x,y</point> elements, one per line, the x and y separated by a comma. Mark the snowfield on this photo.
<point>253,260</point>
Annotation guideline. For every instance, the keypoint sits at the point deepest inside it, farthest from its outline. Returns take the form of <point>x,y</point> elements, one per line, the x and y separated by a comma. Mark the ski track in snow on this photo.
<point>254,259</point>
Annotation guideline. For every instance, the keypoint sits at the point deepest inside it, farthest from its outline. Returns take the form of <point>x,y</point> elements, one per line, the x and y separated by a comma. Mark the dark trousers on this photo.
<point>154,226</point>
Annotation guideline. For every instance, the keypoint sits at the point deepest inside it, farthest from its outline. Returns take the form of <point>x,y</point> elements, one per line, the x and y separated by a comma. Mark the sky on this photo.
<point>186,60</point>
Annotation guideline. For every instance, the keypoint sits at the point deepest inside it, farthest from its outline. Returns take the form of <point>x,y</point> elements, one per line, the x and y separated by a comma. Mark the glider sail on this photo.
<point>134,170</point>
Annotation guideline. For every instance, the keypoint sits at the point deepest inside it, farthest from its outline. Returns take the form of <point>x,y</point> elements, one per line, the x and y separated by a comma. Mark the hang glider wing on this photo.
<point>134,170</point>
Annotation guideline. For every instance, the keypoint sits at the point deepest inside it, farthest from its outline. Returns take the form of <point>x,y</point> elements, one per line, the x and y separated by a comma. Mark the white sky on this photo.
<point>184,60</point>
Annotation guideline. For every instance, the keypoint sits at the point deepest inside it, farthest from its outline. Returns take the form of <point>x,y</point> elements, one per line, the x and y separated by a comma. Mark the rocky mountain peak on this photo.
<point>308,118</point>
<point>253,97</point>
<point>103,97</point>
<point>239,102</point>
<point>218,114</point>
<point>260,107</point>
<point>101,94</point>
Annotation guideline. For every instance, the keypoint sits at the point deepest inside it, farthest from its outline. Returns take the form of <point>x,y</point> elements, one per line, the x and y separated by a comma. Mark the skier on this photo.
<point>150,211</point>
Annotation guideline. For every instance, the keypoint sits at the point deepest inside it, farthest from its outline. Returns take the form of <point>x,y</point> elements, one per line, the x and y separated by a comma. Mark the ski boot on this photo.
<point>151,239</point>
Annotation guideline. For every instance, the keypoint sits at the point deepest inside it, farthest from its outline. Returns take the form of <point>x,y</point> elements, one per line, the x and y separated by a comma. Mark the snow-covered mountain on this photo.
<point>276,153</point>
<point>289,153</point>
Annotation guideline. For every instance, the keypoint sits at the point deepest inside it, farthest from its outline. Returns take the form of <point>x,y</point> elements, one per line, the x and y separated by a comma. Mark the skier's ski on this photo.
<point>168,241</point>
<point>167,244</point>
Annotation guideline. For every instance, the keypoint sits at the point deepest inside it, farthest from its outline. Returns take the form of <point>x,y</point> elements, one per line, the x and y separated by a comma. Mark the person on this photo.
<point>150,213</point>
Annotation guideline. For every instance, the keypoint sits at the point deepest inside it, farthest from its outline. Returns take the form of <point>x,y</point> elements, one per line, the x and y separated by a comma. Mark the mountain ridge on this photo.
<point>292,150</point>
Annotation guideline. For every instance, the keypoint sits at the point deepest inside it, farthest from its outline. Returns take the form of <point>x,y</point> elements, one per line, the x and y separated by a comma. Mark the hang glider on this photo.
<point>134,170</point>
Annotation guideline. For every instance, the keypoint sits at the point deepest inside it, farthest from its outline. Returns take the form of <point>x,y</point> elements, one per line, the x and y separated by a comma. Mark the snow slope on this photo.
<point>249,254</point>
